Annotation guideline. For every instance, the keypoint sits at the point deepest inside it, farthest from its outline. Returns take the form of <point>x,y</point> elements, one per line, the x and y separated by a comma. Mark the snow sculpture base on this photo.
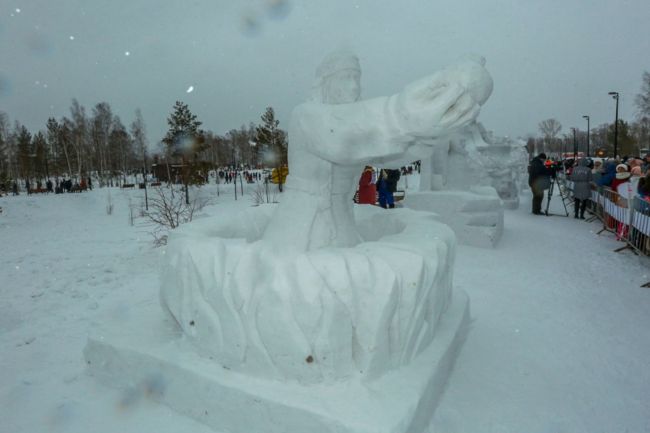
<point>150,355</point>
<point>476,216</point>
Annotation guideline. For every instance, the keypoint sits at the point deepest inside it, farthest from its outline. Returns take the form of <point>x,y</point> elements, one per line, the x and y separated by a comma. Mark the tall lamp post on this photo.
<point>615,96</point>
<point>587,117</point>
<point>575,145</point>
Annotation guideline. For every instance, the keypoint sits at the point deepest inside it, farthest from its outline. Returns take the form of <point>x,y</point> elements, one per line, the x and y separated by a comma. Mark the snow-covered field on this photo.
<point>560,338</point>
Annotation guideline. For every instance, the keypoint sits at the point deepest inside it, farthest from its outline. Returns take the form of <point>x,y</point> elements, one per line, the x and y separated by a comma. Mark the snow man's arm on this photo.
<point>382,128</point>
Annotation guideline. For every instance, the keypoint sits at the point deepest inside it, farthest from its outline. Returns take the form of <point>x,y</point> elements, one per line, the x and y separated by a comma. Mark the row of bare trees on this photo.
<point>73,146</point>
<point>98,142</point>
<point>633,137</point>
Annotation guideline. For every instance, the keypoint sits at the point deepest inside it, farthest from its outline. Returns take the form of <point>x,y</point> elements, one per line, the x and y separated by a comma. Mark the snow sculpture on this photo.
<point>336,306</point>
<point>456,177</point>
<point>334,136</point>
<point>505,161</point>
<point>474,158</point>
<point>316,298</point>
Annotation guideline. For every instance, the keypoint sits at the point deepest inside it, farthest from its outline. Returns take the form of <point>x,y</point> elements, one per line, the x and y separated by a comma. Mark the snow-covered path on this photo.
<point>559,342</point>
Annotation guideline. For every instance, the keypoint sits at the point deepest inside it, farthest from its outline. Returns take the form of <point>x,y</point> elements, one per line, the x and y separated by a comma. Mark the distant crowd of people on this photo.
<point>628,177</point>
<point>228,176</point>
<point>61,186</point>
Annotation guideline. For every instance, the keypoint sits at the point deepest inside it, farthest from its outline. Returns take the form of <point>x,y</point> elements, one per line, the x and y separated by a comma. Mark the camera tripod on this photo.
<point>564,195</point>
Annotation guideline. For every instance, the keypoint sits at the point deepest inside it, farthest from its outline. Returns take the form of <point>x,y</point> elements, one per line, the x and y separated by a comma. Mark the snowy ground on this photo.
<point>559,340</point>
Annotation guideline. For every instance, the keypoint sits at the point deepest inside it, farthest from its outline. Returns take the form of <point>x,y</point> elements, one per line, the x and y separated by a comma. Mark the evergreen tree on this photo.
<point>53,144</point>
<point>183,140</point>
<point>40,155</point>
<point>273,142</point>
<point>24,144</point>
<point>184,133</point>
<point>271,138</point>
<point>627,146</point>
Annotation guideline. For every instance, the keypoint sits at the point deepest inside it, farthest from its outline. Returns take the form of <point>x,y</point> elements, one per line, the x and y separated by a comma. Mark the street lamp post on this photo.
<point>587,117</point>
<point>615,96</point>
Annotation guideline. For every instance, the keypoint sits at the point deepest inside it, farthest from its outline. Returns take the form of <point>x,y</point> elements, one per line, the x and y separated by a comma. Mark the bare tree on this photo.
<point>79,132</point>
<point>642,100</point>
<point>550,128</point>
<point>168,210</point>
<point>102,122</point>
<point>5,155</point>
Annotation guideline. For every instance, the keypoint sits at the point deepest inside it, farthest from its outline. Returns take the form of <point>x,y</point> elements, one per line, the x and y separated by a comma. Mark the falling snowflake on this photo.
<point>190,89</point>
<point>71,38</point>
<point>127,53</point>
<point>17,10</point>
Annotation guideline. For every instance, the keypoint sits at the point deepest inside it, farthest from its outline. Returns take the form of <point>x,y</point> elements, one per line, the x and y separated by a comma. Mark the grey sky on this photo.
<point>548,58</point>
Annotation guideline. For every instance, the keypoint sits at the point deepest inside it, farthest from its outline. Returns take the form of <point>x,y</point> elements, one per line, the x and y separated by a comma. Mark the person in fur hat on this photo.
<point>622,176</point>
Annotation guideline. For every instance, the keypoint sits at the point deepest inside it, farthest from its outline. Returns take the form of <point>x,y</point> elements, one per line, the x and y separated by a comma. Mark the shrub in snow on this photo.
<point>168,208</point>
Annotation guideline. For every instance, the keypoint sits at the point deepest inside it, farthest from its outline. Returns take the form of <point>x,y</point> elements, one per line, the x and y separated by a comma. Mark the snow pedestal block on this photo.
<point>149,355</point>
<point>476,216</point>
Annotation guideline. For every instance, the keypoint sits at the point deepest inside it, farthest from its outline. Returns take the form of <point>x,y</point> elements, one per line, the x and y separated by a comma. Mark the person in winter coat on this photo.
<point>609,174</point>
<point>635,176</point>
<point>597,172</point>
<point>382,189</point>
<point>643,187</point>
<point>581,177</point>
<point>539,179</point>
<point>367,189</point>
<point>386,186</point>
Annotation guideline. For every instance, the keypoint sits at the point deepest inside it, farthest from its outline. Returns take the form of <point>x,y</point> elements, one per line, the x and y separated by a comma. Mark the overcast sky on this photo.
<point>548,58</point>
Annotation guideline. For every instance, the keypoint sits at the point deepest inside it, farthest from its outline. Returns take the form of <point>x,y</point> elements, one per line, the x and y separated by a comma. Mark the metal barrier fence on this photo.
<point>595,205</point>
<point>639,235</point>
<point>616,215</point>
<point>628,219</point>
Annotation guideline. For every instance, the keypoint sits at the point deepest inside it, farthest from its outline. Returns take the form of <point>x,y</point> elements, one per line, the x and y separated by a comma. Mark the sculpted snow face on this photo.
<point>334,136</point>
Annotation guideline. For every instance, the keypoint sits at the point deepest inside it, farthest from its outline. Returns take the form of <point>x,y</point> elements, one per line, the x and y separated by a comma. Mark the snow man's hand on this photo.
<point>434,105</point>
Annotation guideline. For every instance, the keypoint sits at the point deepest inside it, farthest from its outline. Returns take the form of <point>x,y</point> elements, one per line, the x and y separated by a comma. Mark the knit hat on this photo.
<point>542,155</point>
<point>622,167</point>
<point>634,162</point>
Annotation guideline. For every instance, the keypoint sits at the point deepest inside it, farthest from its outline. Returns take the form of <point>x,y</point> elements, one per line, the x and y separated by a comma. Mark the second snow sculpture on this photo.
<point>467,179</point>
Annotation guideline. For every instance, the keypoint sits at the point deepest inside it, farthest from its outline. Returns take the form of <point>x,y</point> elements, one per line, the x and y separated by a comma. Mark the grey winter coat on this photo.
<point>582,178</point>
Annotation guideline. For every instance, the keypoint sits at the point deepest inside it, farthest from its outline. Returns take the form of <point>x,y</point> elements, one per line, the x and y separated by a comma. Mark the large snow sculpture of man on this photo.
<point>306,293</point>
<point>334,136</point>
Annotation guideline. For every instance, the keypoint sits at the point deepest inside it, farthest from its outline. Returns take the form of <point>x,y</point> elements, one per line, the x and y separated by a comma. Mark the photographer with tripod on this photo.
<point>539,179</point>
